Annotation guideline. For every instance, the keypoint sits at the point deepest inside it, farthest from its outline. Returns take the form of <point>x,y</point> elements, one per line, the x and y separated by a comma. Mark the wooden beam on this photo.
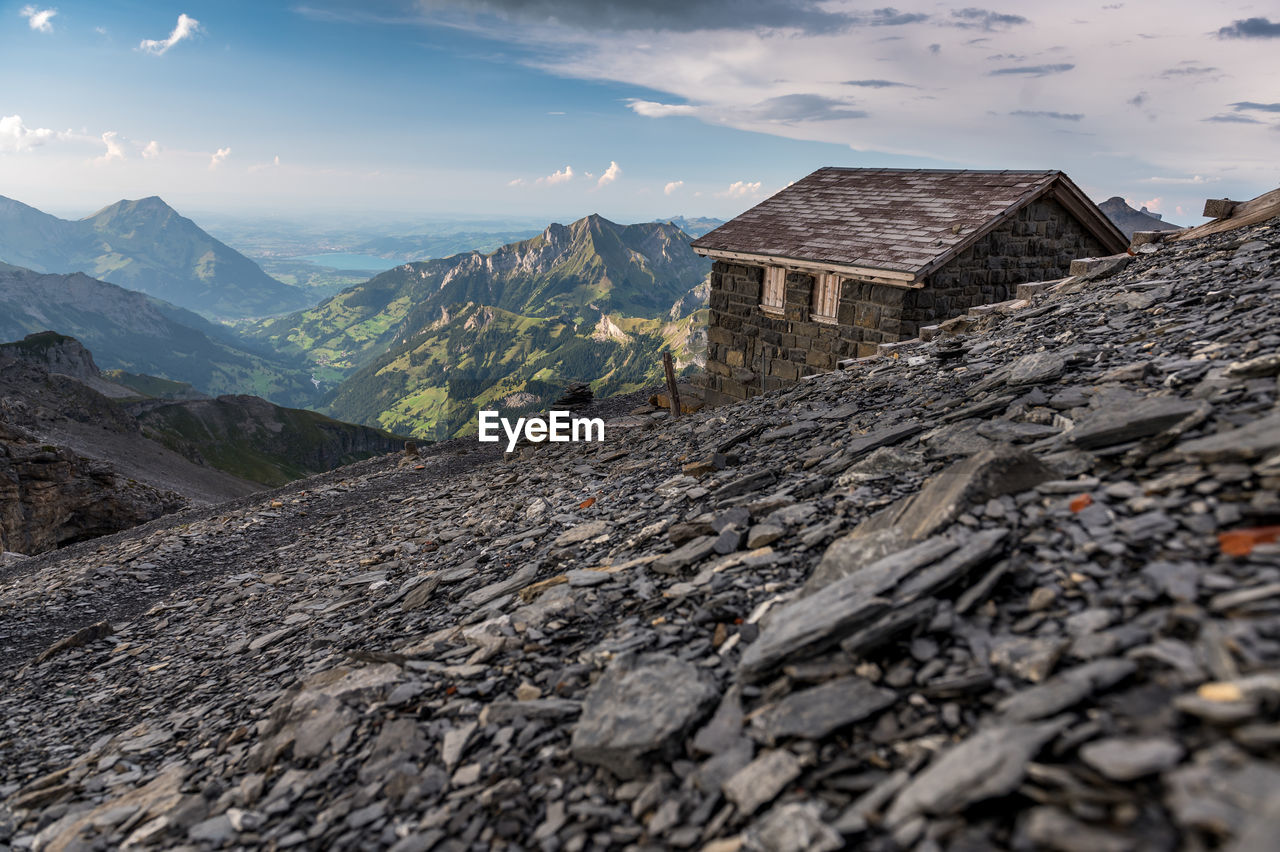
<point>862,273</point>
<point>1260,209</point>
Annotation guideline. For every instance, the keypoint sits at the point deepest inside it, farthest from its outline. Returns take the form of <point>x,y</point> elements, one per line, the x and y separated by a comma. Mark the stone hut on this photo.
<point>846,259</point>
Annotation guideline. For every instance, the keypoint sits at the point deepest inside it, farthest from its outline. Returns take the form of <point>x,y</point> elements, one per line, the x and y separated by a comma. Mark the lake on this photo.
<point>347,261</point>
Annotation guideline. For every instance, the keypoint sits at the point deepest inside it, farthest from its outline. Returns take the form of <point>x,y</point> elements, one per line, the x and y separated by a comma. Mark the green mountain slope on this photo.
<point>134,332</point>
<point>255,440</point>
<point>420,347</point>
<point>146,245</point>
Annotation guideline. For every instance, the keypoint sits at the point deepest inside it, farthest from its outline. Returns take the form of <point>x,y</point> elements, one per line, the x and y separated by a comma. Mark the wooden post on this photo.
<point>1219,208</point>
<point>673,392</point>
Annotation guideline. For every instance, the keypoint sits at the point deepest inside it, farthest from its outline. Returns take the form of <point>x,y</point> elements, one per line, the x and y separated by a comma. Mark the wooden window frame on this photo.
<point>825,303</point>
<point>773,290</point>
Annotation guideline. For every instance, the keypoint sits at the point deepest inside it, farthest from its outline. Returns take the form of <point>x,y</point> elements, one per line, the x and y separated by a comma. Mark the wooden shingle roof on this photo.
<point>899,222</point>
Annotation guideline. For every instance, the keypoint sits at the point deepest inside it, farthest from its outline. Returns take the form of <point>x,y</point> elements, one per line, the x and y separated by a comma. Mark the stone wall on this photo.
<point>1037,244</point>
<point>751,350</point>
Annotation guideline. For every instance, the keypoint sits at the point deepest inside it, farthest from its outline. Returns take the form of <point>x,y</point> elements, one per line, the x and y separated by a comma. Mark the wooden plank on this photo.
<point>862,273</point>
<point>1260,209</point>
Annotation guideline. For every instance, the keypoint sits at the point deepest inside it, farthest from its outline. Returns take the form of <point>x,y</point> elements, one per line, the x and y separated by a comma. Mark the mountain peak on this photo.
<point>56,352</point>
<point>152,204</point>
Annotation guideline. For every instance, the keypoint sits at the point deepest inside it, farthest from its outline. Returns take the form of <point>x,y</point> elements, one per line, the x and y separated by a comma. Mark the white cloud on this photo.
<point>653,109</point>
<point>152,151</point>
<point>16,136</point>
<point>760,79</point>
<point>563,176</point>
<point>185,28</point>
<point>672,187</point>
<point>39,19</point>
<point>741,189</point>
<point>218,156</point>
<point>1153,205</point>
<point>1191,181</point>
<point>610,174</point>
<point>516,182</point>
<point>115,151</point>
<point>260,167</point>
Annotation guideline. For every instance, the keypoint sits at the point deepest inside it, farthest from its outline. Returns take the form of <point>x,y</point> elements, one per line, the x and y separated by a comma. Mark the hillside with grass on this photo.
<point>420,348</point>
<point>139,334</point>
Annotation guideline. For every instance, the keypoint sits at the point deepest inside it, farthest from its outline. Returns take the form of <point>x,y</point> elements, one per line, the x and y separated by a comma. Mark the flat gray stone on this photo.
<point>988,764</point>
<point>1127,759</point>
<point>1036,368</point>
<point>760,781</point>
<point>502,712</point>
<point>994,472</point>
<point>1065,690</point>
<point>1120,424</point>
<point>815,712</point>
<point>581,533</point>
<point>690,553</point>
<point>641,704</point>
<point>762,534</point>
<point>794,826</point>
<point>725,728</point>
<point>860,445</point>
<point>1255,440</point>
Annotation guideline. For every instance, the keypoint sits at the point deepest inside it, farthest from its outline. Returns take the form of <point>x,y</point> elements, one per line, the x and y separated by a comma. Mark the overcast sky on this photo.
<point>630,108</point>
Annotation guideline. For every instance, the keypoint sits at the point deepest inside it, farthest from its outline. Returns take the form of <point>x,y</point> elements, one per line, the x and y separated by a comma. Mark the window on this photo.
<point>826,296</point>
<point>774,293</point>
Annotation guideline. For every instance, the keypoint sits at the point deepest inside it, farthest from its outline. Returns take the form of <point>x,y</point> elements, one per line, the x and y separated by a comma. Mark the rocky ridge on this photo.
<point>1016,587</point>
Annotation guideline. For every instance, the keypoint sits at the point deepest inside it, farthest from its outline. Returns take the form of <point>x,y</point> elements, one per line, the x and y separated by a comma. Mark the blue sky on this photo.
<point>558,108</point>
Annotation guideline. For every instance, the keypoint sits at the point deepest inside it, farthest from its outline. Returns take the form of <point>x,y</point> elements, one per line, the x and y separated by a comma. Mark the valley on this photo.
<point>420,348</point>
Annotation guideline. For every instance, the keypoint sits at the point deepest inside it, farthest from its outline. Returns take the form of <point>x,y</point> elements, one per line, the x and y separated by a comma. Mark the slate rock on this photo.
<point>690,553</point>
<point>1065,690</point>
<point>793,827</point>
<point>640,705</point>
<point>815,712</point>
<point>1036,368</point>
<point>991,473</point>
<point>1251,441</point>
<point>990,763</point>
<point>760,781</point>
<point>1127,759</point>
<point>1123,423</point>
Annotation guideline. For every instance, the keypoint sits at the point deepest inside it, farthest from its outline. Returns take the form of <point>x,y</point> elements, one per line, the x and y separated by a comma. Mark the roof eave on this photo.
<point>891,277</point>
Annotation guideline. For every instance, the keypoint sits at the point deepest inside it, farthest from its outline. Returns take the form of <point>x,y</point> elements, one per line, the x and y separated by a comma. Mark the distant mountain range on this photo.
<point>696,226</point>
<point>423,346</point>
<point>146,245</point>
<point>1129,220</point>
<point>204,449</point>
<point>137,333</point>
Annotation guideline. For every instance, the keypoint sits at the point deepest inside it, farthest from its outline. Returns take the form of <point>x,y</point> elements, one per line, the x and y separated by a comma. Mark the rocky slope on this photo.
<point>145,245</point>
<point>208,450</point>
<point>51,496</point>
<point>131,331</point>
<point>251,438</point>
<point>1008,589</point>
<point>79,417</point>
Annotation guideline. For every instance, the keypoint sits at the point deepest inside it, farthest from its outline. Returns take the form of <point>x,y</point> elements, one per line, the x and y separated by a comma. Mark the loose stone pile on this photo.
<point>1016,588</point>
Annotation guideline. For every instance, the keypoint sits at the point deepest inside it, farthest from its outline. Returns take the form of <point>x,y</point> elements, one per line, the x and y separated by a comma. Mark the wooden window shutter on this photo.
<point>775,287</point>
<point>826,295</point>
